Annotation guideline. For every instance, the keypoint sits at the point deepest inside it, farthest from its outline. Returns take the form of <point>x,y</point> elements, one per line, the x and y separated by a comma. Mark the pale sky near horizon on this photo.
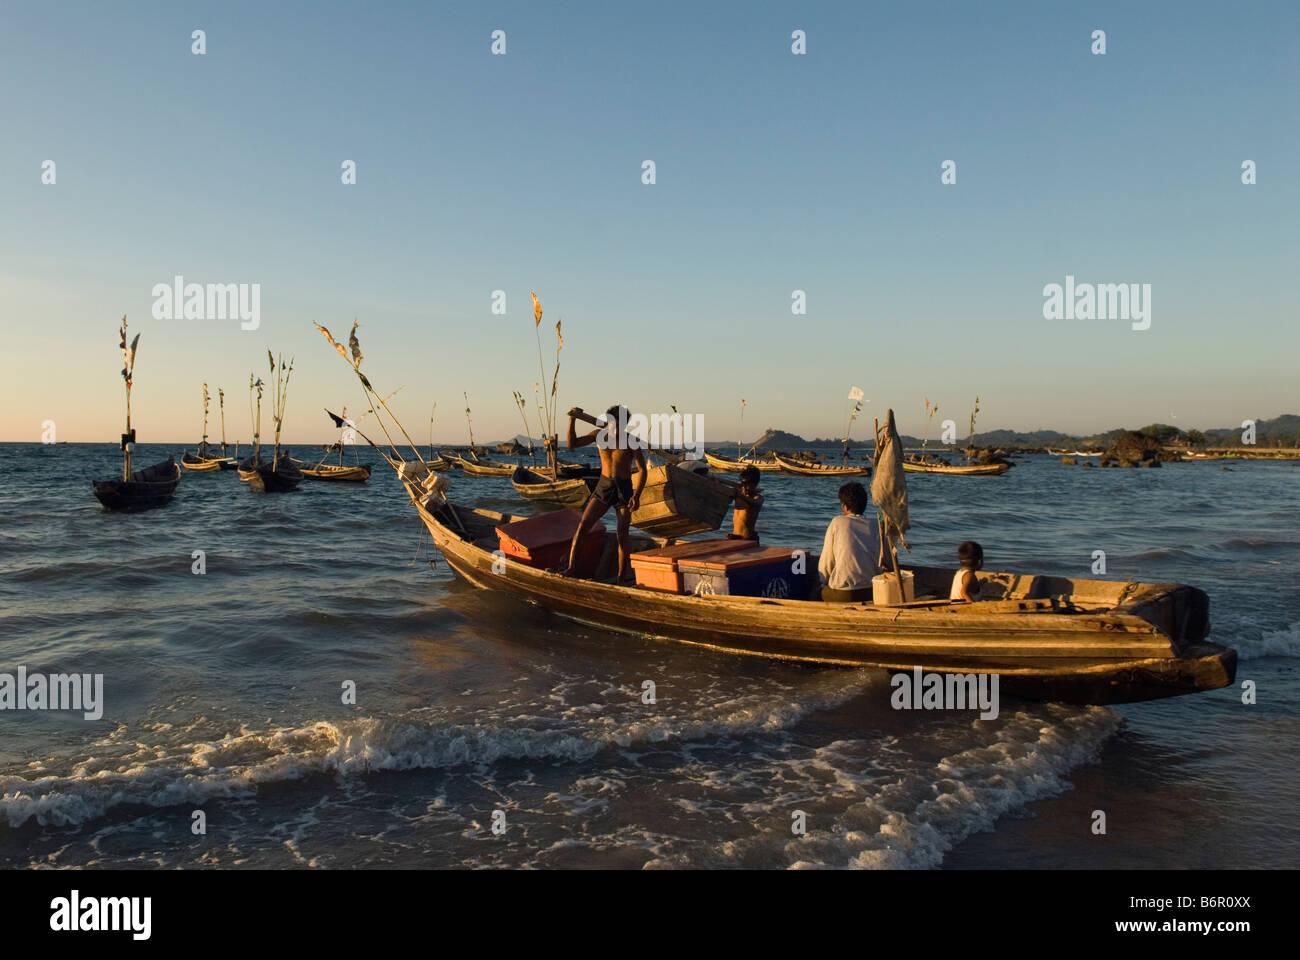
<point>774,173</point>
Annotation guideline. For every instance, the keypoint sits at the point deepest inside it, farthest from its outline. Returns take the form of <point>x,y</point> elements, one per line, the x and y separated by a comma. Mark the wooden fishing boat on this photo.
<point>282,472</point>
<point>482,467</point>
<point>150,487</point>
<point>570,492</point>
<point>206,459</point>
<point>266,476</point>
<point>358,473</point>
<point>803,469</point>
<point>973,470</point>
<point>140,489</point>
<point>198,463</point>
<point>724,465</point>
<point>1048,638</point>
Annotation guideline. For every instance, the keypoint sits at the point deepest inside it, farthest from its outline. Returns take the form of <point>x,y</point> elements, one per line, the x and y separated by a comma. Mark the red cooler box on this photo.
<point>543,541</point>
<point>658,570</point>
<point>757,572</point>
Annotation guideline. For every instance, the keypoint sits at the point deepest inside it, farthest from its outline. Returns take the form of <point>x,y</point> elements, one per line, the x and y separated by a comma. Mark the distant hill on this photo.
<point>1281,431</point>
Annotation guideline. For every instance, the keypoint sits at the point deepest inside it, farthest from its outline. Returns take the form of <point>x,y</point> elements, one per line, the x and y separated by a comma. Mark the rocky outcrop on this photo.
<point>1132,448</point>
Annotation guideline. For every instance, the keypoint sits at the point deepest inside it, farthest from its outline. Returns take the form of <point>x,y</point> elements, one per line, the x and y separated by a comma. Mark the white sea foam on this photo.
<point>1268,643</point>
<point>126,773</point>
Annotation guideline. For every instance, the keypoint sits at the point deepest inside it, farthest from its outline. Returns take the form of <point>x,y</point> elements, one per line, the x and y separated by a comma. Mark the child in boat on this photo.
<point>853,553</point>
<point>744,516</point>
<point>965,584</point>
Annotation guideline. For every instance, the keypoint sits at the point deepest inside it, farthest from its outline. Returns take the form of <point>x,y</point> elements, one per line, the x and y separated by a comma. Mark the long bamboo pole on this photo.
<point>470,424</point>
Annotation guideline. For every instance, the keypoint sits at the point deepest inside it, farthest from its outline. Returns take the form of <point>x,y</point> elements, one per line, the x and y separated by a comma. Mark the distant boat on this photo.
<point>804,469</point>
<point>735,466</point>
<point>972,470</point>
<point>340,472</point>
<point>139,490</point>
<point>569,492</point>
<point>483,467</point>
<point>282,473</point>
<point>207,459</point>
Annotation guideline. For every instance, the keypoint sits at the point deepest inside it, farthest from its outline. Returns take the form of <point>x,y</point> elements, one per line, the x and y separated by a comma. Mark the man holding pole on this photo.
<point>619,451</point>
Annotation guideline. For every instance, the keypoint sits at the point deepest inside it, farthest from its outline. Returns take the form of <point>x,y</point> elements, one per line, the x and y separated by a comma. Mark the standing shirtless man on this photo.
<point>614,488</point>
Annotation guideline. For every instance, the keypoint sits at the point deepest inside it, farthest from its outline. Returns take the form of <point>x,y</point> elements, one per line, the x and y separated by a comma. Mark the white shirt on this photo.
<point>850,553</point>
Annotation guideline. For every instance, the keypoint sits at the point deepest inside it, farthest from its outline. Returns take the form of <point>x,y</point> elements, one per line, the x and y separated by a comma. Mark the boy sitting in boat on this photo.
<point>619,452</point>
<point>852,554</point>
<point>965,584</point>
<point>744,515</point>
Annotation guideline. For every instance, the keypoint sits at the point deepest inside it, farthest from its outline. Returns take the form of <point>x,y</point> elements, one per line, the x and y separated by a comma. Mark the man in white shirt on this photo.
<point>852,553</point>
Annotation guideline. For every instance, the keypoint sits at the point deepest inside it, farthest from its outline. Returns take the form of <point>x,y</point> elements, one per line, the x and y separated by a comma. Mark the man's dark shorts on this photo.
<point>613,491</point>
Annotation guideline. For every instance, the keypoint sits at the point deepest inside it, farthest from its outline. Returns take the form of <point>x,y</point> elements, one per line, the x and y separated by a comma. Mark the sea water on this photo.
<point>488,732</point>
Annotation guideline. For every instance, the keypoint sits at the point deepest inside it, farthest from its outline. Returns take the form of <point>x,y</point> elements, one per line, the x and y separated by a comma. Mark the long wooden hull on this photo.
<point>735,466</point>
<point>263,479</point>
<point>532,485</point>
<point>978,470</point>
<point>191,461</point>
<point>1081,641</point>
<point>484,468</point>
<point>336,473</point>
<point>819,469</point>
<point>151,487</point>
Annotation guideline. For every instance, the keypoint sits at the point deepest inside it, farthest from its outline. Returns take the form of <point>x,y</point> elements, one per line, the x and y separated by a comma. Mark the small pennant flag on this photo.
<point>333,343</point>
<point>855,393</point>
<point>355,346</point>
<point>537,310</point>
<point>342,421</point>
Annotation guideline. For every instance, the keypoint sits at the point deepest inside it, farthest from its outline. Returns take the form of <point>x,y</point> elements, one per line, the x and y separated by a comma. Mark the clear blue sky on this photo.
<point>775,172</point>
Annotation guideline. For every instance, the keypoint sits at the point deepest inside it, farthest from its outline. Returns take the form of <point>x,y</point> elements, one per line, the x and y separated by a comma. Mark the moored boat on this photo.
<point>804,469</point>
<point>358,473</point>
<point>140,489</point>
<point>206,459</point>
<point>724,465</point>
<point>281,473</point>
<point>536,485</point>
<point>482,467</point>
<point>151,487</point>
<point>972,470</point>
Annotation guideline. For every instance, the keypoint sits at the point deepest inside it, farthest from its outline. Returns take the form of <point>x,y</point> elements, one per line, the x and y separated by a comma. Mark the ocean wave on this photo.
<point>1268,643</point>
<point>237,765</point>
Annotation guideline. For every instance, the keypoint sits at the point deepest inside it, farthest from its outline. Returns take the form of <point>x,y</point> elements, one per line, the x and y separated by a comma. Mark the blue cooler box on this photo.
<point>758,572</point>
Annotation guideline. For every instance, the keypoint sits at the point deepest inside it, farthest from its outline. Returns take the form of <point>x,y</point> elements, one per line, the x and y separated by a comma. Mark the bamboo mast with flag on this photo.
<point>470,423</point>
<point>255,384</point>
<point>547,404</point>
<point>930,411</point>
<point>203,443</point>
<point>889,491</point>
<point>371,395</point>
<point>281,376</point>
<point>221,405</point>
<point>970,440</point>
<point>856,396</point>
<point>739,441</point>
<point>128,372</point>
